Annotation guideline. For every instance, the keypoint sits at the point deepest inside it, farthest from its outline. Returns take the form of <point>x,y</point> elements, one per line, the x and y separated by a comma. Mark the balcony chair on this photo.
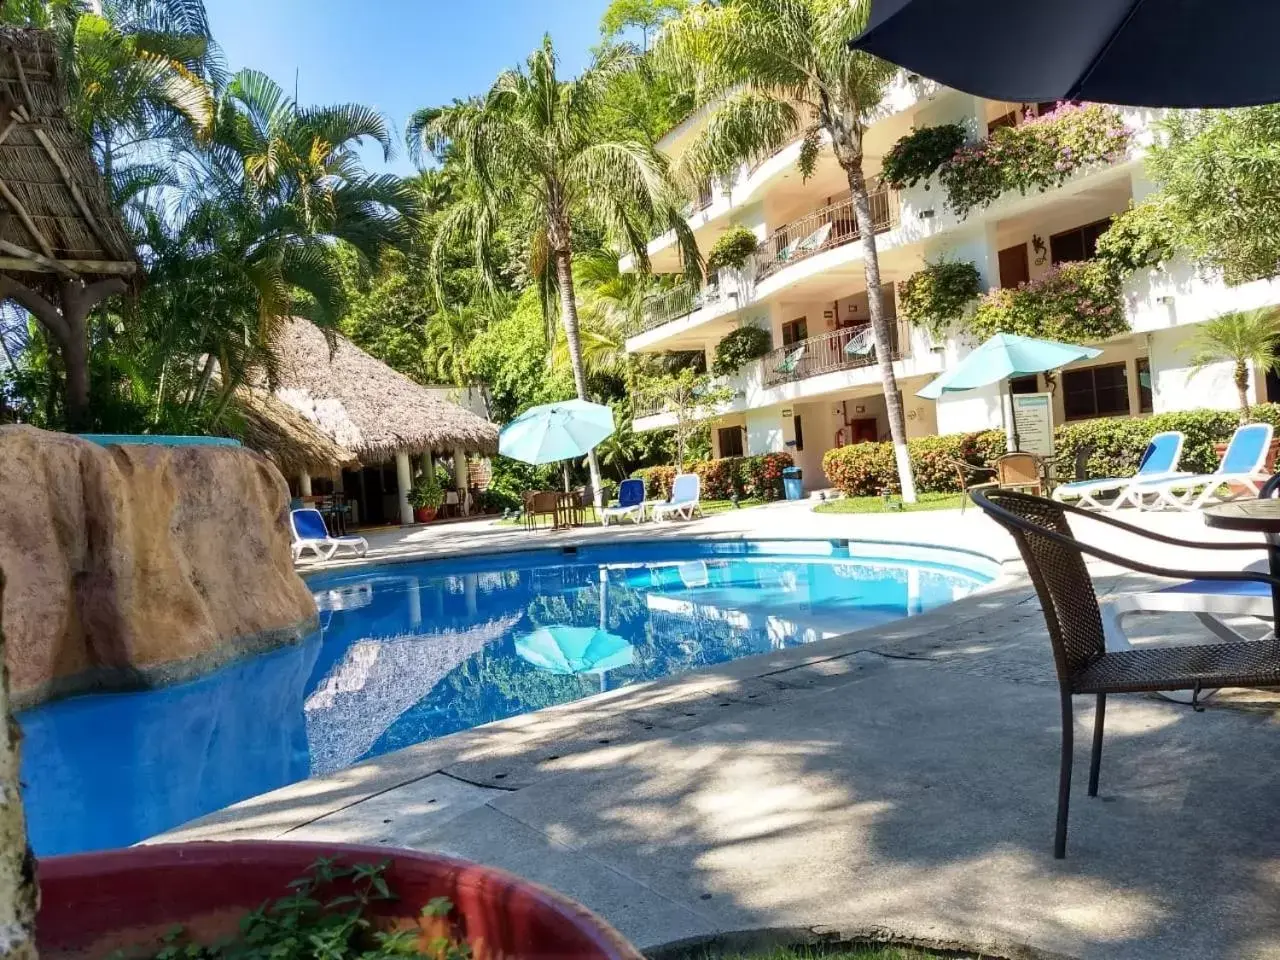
<point>1055,561</point>
<point>861,344</point>
<point>790,362</point>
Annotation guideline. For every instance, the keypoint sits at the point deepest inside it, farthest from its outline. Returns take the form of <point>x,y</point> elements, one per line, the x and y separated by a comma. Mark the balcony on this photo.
<point>677,302</point>
<point>827,353</point>
<point>832,226</point>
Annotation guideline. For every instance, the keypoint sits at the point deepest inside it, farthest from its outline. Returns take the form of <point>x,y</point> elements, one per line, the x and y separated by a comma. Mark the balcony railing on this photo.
<point>675,303</point>
<point>828,352</point>
<point>832,226</point>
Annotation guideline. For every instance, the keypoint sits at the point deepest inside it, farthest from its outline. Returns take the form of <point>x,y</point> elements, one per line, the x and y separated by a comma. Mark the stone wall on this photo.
<point>139,565</point>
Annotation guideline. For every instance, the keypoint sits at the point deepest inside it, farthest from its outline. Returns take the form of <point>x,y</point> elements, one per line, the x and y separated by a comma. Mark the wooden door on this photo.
<point>863,430</point>
<point>1014,267</point>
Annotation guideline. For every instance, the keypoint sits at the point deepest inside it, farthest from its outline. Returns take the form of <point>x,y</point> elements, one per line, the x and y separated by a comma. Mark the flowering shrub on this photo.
<point>734,248</point>
<point>1140,237</point>
<point>758,477</point>
<point>866,469</point>
<point>936,296</point>
<point>1078,302</point>
<point>917,155</point>
<point>1038,154</point>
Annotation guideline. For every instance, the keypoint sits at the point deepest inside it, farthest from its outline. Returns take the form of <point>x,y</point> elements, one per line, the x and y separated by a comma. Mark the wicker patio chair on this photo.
<point>963,470</point>
<point>540,503</point>
<point>1055,561</point>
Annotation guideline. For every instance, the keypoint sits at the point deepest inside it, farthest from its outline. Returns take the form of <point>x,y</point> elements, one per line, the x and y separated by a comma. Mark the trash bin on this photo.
<point>792,483</point>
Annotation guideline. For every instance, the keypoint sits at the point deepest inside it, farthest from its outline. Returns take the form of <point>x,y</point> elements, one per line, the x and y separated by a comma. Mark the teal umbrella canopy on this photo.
<point>555,431</point>
<point>1003,356</point>
<point>564,649</point>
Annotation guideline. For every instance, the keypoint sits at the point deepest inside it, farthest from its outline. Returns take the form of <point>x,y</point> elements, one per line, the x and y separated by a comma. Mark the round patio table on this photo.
<point>1255,516</point>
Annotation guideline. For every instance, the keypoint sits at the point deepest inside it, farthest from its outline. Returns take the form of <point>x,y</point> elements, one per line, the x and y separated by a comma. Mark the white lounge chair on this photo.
<point>1159,462</point>
<point>861,344</point>
<point>310,533</point>
<point>1242,464</point>
<point>630,503</point>
<point>685,498</point>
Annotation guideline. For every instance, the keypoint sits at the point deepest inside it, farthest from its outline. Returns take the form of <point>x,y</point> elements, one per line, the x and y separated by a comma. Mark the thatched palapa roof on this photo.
<point>284,435</point>
<point>364,405</point>
<point>56,219</point>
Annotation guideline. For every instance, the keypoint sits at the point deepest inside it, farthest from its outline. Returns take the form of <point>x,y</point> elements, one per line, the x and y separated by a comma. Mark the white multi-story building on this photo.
<point>806,287</point>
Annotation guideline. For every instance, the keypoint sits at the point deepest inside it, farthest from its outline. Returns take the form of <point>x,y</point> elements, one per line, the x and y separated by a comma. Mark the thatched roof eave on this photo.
<point>291,441</point>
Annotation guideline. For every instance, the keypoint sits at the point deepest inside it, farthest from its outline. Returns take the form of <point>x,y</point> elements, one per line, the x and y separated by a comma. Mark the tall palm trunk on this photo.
<point>1242,389</point>
<point>848,149</point>
<point>569,317</point>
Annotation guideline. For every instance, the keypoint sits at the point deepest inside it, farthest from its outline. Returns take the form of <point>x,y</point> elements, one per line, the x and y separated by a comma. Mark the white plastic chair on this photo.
<point>685,499</point>
<point>310,533</point>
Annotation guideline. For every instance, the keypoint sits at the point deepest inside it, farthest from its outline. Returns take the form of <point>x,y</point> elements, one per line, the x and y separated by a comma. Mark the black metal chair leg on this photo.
<point>1064,777</point>
<point>1095,759</point>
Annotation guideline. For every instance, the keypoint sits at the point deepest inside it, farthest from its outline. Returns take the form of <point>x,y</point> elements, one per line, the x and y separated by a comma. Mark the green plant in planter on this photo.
<point>741,346</point>
<point>935,297</point>
<point>426,493</point>
<point>733,249</point>
<point>917,155</point>
<point>1076,302</point>
<point>1140,238</point>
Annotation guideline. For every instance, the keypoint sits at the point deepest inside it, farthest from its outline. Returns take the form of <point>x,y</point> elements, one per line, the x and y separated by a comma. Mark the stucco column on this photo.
<point>404,480</point>
<point>460,477</point>
<point>428,464</point>
<point>304,484</point>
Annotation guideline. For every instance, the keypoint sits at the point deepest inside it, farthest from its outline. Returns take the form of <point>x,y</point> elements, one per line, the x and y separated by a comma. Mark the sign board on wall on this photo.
<point>1033,422</point>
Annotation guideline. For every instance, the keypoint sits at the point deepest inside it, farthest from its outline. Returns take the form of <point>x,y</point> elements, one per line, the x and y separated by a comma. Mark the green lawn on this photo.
<point>927,501</point>
<point>709,507</point>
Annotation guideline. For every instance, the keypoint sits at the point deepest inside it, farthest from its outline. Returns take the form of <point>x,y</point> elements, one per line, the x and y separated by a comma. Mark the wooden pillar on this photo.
<point>404,480</point>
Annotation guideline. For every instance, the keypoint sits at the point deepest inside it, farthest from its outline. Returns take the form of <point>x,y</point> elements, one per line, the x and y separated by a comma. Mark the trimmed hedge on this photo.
<point>1119,441</point>
<point>866,469</point>
<point>750,477</point>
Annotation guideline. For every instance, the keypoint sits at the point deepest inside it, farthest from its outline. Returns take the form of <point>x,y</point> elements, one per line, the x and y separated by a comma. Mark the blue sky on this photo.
<point>397,55</point>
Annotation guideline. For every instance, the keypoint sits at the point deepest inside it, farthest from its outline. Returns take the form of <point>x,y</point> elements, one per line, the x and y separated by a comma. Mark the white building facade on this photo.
<point>806,288</point>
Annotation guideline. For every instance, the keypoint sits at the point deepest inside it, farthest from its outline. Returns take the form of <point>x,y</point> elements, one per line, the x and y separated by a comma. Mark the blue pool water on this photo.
<point>413,651</point>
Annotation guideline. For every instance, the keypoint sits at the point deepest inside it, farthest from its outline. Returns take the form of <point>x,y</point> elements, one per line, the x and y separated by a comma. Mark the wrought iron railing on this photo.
<point>832,226</point>
<point>829,352</point>
<point>675,303</point>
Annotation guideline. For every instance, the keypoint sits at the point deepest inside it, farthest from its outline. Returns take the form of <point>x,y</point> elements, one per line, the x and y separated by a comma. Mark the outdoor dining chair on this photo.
<point>541,503</point>
<point>1056,564</point>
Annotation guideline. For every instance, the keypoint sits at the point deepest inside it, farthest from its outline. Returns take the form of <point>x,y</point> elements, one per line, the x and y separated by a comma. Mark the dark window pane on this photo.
<point>730,441</point>
<point>1064,247</point>
<point>1096,392</point>
<point>1024,385</point>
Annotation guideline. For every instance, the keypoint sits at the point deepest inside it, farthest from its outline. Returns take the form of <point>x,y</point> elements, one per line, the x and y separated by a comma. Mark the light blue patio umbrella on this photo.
<point>555,431</point>
<point>1003,356</point>
<point>573,650</point>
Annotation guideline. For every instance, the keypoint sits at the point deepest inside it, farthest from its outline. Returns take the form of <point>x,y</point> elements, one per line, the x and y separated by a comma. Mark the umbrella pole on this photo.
<point>1011,423</point>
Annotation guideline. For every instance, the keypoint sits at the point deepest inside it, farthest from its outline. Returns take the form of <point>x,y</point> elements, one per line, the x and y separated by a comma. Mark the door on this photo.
<point>1014,268</point>
<point>794,331</point>
<point>863,430</point>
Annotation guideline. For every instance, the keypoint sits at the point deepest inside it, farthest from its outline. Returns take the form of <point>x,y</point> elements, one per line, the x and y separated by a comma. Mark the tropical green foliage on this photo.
<point>1140,238</point>
<point>1219,173</point>
<point>867,469</point>
<point>740,347</point>
<point>1076,302</point>
<point>919,154</point>
<point>692,399</point>
<point>936,296</point>
<point>1037,154</point>
<point>1244,339</point>
<point>732,249</point>
<point>427,492</point>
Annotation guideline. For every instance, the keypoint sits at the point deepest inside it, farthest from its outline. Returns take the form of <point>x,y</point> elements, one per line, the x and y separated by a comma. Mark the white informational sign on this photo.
<point>1033,422</point>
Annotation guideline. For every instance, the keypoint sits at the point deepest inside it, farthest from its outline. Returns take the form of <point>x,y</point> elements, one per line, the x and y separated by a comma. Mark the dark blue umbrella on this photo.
<point>1143,53</point>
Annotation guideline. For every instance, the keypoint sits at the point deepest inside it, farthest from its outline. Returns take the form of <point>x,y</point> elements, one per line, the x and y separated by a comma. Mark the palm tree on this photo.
<point>781,70</point>
<point>1244,339</point>
<point>536,162</point>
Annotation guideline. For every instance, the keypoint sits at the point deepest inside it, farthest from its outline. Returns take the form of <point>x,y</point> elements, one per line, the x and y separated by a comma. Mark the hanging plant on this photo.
<point>1076,302</point>
<point>739,347</point>
<point>1139,238</point>
<point>935,297</point>
<point>733,249</point>
<point>916,156</point>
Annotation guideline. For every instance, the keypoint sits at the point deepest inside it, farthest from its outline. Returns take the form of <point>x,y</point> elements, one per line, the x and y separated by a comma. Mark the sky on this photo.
<point>397,55</point>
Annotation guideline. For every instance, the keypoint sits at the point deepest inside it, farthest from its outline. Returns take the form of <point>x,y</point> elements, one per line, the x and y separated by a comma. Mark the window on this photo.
<point>1142,367</point>
<point>794,331</point>
<point>1079,243</point>
<point>1095,392</point>
<point>729,439</point>
<point>1029,384</point>
<point>795,422</point>
<point>1014,268</point>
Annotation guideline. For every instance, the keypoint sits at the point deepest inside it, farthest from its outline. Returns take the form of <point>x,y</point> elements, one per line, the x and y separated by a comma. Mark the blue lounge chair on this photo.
<point>310,533</point>
<point>630,503</point>
<point>1242,464</point>
<point>1159,462</point>
<point>686,495</point>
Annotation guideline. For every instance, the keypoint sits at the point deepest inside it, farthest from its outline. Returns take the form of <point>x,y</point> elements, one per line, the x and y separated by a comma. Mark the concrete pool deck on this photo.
<point>897,781</point>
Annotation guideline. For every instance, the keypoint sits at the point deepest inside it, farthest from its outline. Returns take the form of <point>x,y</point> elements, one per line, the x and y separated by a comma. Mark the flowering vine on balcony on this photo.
<point>1078,302</point>
<point>1040,153</point>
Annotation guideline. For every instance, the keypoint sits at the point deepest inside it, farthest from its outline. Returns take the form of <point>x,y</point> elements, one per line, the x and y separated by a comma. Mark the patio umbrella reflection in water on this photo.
<point>574,650</point>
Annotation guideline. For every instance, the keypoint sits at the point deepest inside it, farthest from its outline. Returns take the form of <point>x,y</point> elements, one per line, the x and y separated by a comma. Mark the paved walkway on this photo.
<point>899,781</point>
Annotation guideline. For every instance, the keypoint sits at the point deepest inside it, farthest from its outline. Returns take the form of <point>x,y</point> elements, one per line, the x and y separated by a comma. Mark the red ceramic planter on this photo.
<point>93,904</point>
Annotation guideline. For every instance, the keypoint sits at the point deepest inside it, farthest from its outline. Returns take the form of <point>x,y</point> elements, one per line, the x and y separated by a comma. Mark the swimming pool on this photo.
<point>412,651</point>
